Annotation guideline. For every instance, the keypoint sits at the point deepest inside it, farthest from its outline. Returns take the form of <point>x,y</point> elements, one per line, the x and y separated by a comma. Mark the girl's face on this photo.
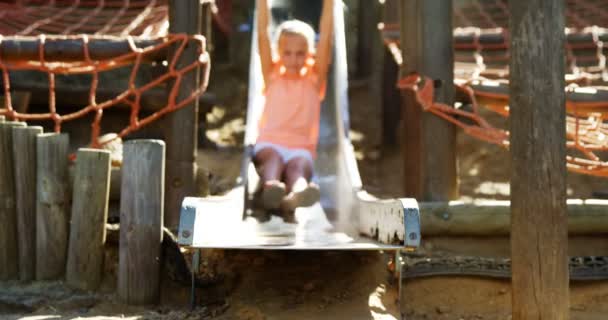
<point>293,52</point>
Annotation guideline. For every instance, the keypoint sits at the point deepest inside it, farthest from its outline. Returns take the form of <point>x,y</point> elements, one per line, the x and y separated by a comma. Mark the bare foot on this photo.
<point>303,198</point>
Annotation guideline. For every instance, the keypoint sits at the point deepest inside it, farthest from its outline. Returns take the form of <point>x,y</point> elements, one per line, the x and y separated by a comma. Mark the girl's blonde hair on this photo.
<point>296,27</point>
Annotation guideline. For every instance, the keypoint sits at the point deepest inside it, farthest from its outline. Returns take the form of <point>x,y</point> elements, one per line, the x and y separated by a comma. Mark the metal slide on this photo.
<point>347,218</point>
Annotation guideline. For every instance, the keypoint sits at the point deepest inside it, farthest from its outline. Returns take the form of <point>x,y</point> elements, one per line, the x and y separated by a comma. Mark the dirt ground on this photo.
<point>256,285</point>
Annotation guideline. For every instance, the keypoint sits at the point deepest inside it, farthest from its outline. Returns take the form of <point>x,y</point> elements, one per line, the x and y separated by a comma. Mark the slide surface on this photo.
<point>345,218</point>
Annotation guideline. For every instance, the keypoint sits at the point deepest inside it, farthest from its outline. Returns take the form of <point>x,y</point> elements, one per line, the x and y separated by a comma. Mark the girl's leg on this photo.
<point>269,165</point>
<point>298,173</point>
<point>301,192</point>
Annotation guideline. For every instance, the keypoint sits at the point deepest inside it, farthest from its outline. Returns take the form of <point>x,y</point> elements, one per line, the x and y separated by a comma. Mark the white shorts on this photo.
<point>286,153</point>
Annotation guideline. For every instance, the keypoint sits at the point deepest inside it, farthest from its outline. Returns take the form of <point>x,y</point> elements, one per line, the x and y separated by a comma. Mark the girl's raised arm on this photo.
<point>324,48</point>
<point>264,48</point>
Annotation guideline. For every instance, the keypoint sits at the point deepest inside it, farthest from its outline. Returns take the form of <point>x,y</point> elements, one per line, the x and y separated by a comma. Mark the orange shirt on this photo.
<point>291,111</point>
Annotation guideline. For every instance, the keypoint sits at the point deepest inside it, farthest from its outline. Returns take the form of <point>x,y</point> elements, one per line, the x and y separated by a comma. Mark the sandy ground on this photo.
<point>255,285</point>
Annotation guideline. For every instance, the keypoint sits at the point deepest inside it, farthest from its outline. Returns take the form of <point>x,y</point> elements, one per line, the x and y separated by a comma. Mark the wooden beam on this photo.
<point>70,49</point>
<point>429,142</point>
<point>73,91</point>
<point>24,157</point>
<point>141,221</point>
<point>89,215</point>
<point>181,126</point>
<point>539,237</point>
<point>52,212</point>
<point>9,257</point>
<point>489,218</point>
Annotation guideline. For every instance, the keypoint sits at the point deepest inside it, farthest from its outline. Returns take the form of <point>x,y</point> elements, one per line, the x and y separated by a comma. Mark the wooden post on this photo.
<point>429,145</point>
<point>389,74</point>
<point>24,157</point>
<point>141,216</point>
<point>89,215</point>
<point>9,257</point>
<point>539,233</point>
<point>375,65</point>
<point>206,24</point>
<point>181,126</point>
<point>52,214</point>
<point>367,35</point>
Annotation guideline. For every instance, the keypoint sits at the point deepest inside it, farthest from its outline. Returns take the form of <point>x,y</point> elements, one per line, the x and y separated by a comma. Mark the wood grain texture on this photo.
<point>52,205</point>
<point>181,126</point>
<point>493,218</point>
<point>141,221</point>
<point>89,215</point>
<point>24,156</point>
<point>9,252</point>
<point>429,143</point>
<point>539,233</point>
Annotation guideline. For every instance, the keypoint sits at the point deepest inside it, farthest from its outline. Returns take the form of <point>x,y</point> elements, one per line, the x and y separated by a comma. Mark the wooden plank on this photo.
<point>9,253</point>
<point>488,218</point>
<point>429,142</point>
<point>24,157</point>
<point>141,221</point>
<point>115,180</point>
<point>181,126</point>
<point>52,215</point>
<point>89,215</point>
<point>73,90</point>
<point>539,237</point>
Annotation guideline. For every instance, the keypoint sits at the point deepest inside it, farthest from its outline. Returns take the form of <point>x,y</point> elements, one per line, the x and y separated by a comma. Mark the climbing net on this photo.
<point>481,46</point>
<point>156,62</point>
<point>147,18</point>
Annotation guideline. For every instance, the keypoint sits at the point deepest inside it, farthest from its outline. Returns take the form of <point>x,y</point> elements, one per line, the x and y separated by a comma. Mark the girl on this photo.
<point>294,74</point>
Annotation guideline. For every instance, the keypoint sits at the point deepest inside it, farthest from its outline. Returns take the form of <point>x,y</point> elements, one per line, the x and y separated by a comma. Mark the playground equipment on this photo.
<point>142,56</point>
<point>481,76</point>
<point>347,218</point>
<point>76,60</point>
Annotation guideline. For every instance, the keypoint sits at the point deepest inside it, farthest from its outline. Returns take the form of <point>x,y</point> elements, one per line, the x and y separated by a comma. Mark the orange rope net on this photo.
<point>89,56</point>
<point>131,96</point>
<point>481,76</point>
<point>96,17</point>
